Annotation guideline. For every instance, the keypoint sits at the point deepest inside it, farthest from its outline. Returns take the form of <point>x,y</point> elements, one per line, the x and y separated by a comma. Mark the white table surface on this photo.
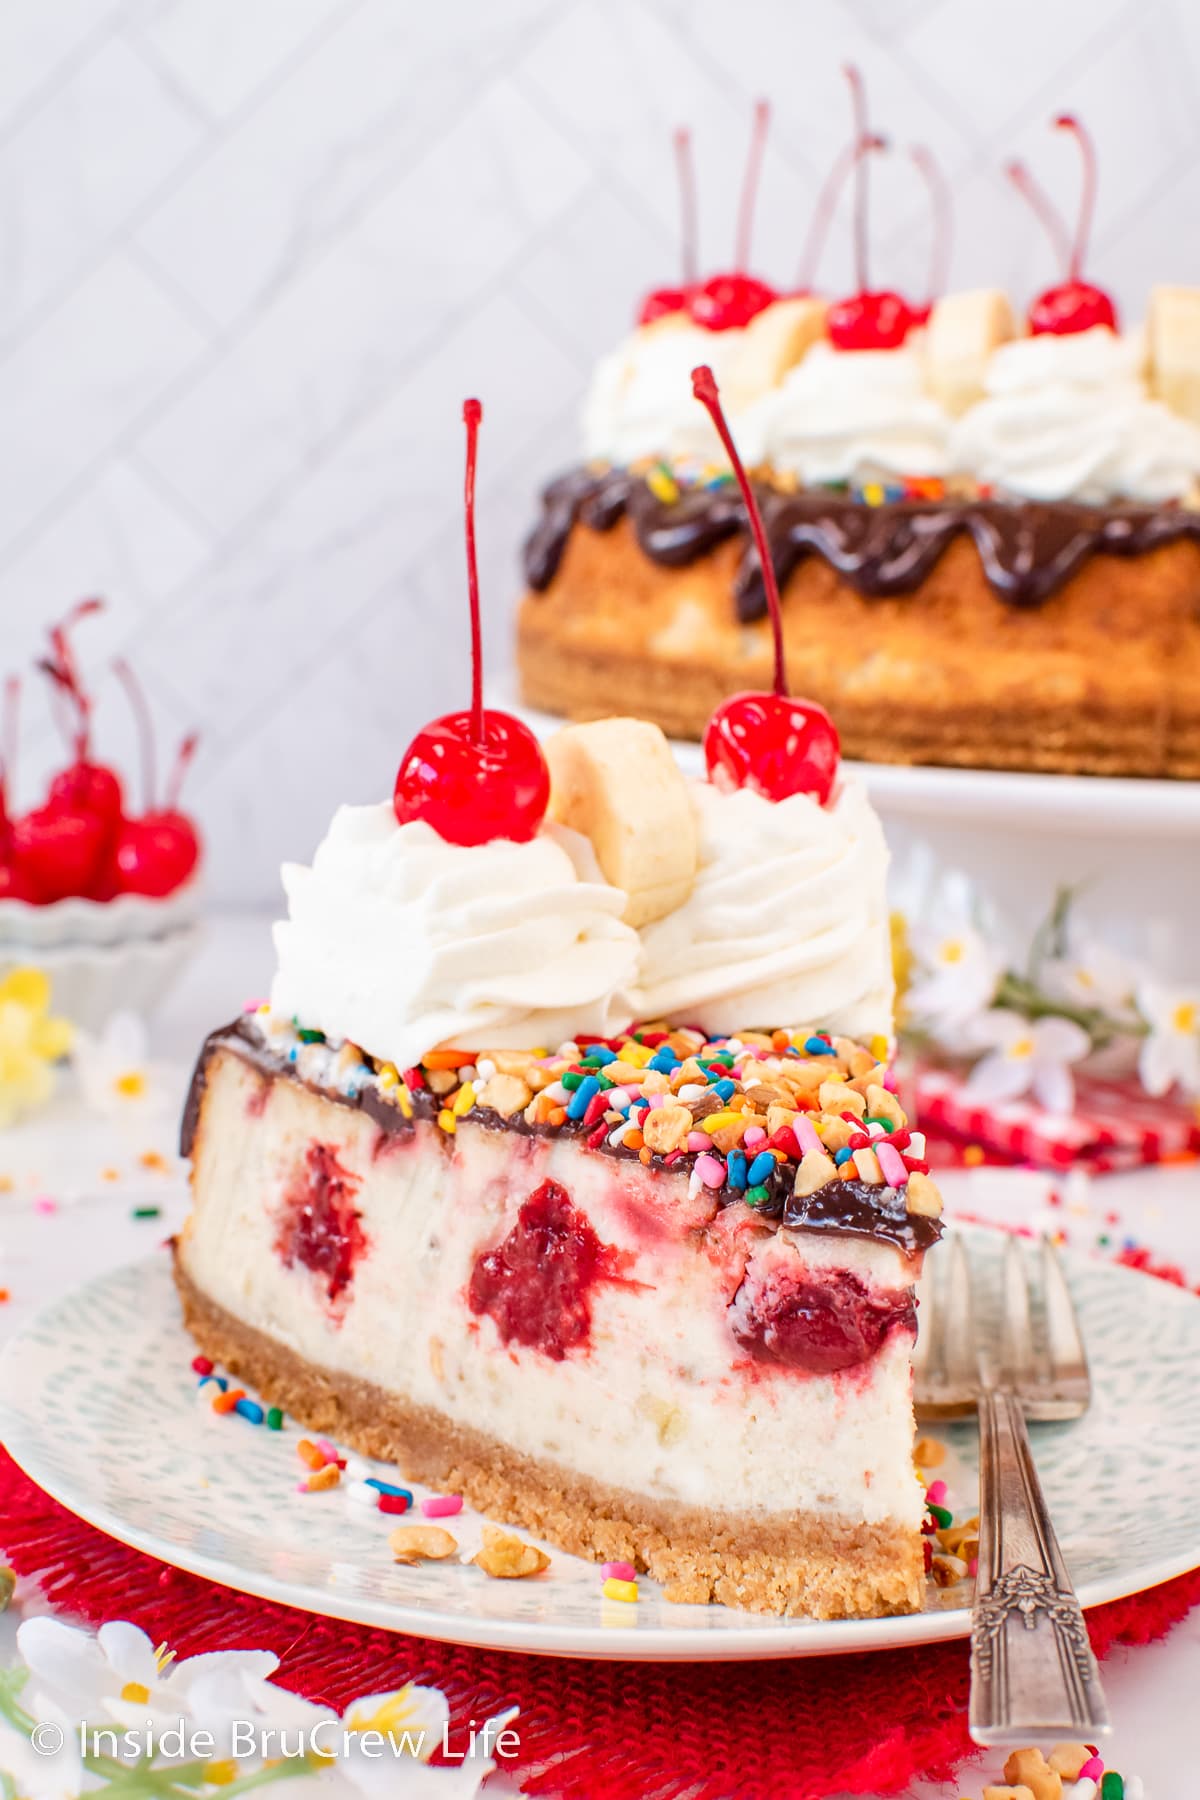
<point>72,1157</point>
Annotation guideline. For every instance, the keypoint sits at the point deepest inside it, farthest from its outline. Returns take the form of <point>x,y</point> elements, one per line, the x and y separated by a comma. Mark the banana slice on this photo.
<point>1173,331</point>
<point>616,781</point>
<point>963,331</point>
<point>774,341</point>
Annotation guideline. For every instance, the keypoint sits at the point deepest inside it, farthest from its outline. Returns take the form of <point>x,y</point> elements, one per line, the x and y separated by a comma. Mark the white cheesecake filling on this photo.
<point>661,1402</point>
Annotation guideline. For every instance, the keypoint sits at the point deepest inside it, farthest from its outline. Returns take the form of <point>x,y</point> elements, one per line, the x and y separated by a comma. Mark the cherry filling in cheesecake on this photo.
<point>827,1321</point>
<point>536,1283</point>
<point>320,1226</point>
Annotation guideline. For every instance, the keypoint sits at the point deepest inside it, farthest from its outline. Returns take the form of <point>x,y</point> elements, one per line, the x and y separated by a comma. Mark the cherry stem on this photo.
<point>750,183</point>
<point>862,133</point>
<point>704,387</point>
<point>140,708</point>
<point>183,761</point>
<point>472,415</point>
<point>826,206</point>
<point>8,740</point>
<point>1043,207</point>
<point>689,234</point>
<point>64,672</point>
<point>1087,199</point>
<point>943,218</point>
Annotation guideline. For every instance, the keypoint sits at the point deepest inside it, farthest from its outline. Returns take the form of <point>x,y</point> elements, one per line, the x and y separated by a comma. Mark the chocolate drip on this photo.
<point>852,1208</point>
<point>1028,548</point>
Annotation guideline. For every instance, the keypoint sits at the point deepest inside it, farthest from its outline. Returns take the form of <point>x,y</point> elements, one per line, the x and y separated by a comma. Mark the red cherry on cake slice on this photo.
<point>480,775</point>
<point>155,853</point>
<point>1075,304</point>
<point>865,320</point>
<point>770,743</point>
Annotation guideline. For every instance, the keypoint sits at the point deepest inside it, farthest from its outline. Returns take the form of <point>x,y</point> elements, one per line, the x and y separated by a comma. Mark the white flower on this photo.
<point>47,1774</point>
<point>116,1075</point>
<point>1170,1053</point>
<point>408,1726</point>
<point>958,972</point>
<point>1091,975</point>
<point>1027,1055</point>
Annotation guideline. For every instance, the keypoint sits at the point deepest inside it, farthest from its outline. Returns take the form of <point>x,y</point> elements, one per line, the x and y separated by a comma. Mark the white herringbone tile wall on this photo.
<point>253,253</point>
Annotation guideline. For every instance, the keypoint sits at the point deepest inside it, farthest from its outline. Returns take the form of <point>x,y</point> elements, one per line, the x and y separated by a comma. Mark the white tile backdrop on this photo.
<point>253,253</point>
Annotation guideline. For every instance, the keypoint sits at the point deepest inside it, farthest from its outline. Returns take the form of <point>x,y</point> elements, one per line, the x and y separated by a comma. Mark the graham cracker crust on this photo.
<point>786,1564</point>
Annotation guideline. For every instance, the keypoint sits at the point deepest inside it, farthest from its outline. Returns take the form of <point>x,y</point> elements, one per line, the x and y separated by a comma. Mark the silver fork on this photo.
<point>1033,1675</point>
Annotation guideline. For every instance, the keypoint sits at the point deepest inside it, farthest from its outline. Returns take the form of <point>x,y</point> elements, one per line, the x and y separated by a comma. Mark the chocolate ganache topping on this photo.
<point>851,1208</point>
<point>1028,548</point>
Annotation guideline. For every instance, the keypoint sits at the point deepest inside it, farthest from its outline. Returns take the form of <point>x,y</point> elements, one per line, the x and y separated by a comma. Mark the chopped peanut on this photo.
<point>921,1196</point>
<point>836,1097</point>
<point>507,1558</point>
<point>666,1127</point>
<point>778,1117</point>
<point>815,1170</point>
<point>929,1453</point>
<point>1068,1759</point>
<point>416,1543</point>
<point>1007,1793</point>
<point>505,1094</point>
<point>882,1104</point>
<point>1030,1769</point>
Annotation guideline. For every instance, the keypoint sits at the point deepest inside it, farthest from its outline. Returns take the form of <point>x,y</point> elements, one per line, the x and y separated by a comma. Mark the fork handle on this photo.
<point>1033,1675</point>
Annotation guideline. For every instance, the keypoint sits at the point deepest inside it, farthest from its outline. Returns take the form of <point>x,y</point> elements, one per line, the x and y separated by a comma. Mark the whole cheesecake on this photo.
<point>644,1288</point>
<point>985,538</point>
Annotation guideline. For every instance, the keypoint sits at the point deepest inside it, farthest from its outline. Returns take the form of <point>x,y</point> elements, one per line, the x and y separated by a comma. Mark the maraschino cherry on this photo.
<point>85,786</point>
<point>771,743</point>
<point>942,212</point>
<point>59,846</point>
<point>866,320</point>
<point>157,852</point>
<point>729,302</point>
<point>723,302</point>
<point>664,300</point>
<point>479,775</point>
<point>1074,305</point>
<point>14,883</point>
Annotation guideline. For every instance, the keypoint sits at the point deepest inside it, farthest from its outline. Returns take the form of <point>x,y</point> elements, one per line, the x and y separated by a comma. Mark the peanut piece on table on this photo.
<point>1068,1759</point>
<point>1030,1768</point>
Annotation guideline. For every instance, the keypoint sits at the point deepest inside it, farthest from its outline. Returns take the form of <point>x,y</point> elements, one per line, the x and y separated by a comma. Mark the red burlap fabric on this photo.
<point>797,1730</point>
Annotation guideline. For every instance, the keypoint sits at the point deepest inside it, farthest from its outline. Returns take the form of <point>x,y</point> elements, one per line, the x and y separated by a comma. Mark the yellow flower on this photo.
<point>902,959</point>
<point>31,1042</point>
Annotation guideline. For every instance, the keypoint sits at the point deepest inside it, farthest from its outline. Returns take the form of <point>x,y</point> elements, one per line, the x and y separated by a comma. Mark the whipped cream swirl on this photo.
<point>640,403</point>
<point>856,415</point>
<point>404,943</point>
<point>1070,418</point>
<point>786,924</point>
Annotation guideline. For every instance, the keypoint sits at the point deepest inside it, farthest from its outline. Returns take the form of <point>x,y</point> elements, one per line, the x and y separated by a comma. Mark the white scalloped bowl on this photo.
<point>103,957</point>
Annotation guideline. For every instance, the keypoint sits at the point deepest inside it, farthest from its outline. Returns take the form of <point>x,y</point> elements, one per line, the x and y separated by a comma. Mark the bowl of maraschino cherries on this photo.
<point>99,891</point>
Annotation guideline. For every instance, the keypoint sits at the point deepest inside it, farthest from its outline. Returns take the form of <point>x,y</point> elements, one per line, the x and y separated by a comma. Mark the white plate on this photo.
<point>99,1406</point>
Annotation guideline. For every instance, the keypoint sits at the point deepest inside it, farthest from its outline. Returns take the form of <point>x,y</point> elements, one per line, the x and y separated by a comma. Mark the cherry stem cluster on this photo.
<point>862,133</point>
<point>704,387</point>
<point>826,206</point>
<point>1070,252</point>
<point>61,668</point>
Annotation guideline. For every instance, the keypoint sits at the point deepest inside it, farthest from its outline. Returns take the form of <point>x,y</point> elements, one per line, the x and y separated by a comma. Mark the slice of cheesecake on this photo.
<point>651,1298</point>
